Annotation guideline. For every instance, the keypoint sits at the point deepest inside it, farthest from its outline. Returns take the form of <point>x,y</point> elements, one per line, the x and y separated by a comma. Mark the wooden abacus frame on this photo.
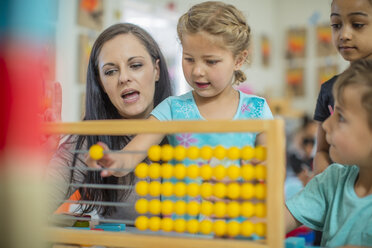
<point>275,143</point>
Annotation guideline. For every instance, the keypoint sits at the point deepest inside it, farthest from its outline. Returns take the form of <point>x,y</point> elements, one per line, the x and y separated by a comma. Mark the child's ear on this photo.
<point>240,59</point>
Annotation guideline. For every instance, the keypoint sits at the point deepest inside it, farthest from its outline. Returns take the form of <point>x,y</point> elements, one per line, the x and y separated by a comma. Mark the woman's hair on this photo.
<point>219,19</point>
<point>99,107</point>
<point>358,74</point>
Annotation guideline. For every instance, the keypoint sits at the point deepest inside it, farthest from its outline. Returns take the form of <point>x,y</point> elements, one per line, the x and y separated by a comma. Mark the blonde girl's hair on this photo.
<point>358,74</point>
<point>220,19</point>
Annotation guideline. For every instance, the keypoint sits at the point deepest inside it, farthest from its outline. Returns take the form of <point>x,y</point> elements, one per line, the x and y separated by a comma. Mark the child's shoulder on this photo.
<point>328,85</point>
<point>251,97</point>
<point>340,171</point>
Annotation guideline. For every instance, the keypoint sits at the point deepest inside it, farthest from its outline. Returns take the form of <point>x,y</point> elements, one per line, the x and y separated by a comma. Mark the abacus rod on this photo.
<point>101,186</point>
<point>69,217</point>
<point>127,127</point>
<point>99,203</point>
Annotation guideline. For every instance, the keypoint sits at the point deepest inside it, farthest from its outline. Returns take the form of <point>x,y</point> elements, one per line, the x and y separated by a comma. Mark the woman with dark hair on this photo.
<point>127,77</point>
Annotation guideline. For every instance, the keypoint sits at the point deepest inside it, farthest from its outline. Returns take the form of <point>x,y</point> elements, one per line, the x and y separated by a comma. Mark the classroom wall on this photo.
<point>266,17</point>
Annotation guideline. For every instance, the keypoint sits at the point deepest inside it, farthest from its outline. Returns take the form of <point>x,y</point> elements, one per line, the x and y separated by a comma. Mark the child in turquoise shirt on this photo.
<point>338,201</point>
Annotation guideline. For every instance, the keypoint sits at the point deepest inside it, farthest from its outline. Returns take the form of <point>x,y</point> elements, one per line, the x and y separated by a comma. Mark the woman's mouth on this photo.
<point>130,96</point>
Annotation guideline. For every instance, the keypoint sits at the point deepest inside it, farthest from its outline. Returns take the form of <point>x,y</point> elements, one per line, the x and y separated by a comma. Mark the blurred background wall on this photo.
<point>291,52</point>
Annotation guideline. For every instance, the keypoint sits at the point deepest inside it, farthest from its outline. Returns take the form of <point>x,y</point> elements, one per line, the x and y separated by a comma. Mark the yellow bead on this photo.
<point>142,223</point>
<point>247,171</point>
<point>206,172</point>
<point>180,225</point>
<point>219,190</point>
<point>166,207</point>
<point>180,189</point>
<point>154,223</point>
<point>247,209</point>
<point>193,189</point>
<point>233,209</point>
<point>219,152</point>
<point>247,191</point>
<point>166,171</point>
<point>247,152</point>
<point>96,152</point>
<point>141,206</point>
<point>179,171</point>
<point>167,189</point>
<point>260,172</point>
<point>206,208</point>
<point>154,206</point>
<point>141,170</point>
<point>247,228</point>
<point>192,226</point>
<point>154,171</point>
<point>260,153</point>
<point>166,152</point>
<point>179,153</point>
<point>192,152</point>
<point>192,171</point>
<point>205,227</point>
<point>154,153</point>
<point>233,191</point>
<point>154,188</point>
<point>180,207</point>
<point>233,153</point>
<point>206,152</point>
<point>233,228</point>
<point>206,190</point>
<point>167,224</point>
<point>193,208</point>
<point>219,172</point>
<point>219,209</point>
<point>260,229</point>
<point>219,228</point>
<point>142,188</point>
<point>233,172</point>
<point>260,191</point>
<point>260,210</point>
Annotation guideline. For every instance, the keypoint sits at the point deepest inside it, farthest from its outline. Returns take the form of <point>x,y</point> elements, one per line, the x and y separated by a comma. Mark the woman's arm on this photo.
<point>126,162</point>
<point>321,159</point>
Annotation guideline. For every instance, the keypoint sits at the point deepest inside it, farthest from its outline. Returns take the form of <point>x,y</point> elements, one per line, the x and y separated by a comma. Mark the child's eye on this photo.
<point>336,26</point>
<point>190,60</point>
<point>358,25</point>
<point>212,62</point>
<point>110,72</point>
<point>341,118</point>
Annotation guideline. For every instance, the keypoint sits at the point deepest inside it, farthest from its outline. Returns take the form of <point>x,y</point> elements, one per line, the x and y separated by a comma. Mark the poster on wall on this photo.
<point>85,47</point>
<point>90,14</point>
<point>296,43</point>
<point>324,41</point>
<point>295,81</point>
<point>265,50</point>
<point>325,73</point>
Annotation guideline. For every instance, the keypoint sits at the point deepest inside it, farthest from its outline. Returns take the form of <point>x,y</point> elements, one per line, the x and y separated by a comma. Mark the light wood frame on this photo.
<point>275,141</point>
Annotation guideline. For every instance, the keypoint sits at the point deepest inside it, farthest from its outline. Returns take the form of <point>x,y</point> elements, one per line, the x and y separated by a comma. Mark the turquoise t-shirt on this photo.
<point>184,108</point>
<point>328,203</point>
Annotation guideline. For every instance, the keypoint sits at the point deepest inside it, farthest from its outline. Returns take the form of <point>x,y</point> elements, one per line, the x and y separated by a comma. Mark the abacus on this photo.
<point>258,188</point>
